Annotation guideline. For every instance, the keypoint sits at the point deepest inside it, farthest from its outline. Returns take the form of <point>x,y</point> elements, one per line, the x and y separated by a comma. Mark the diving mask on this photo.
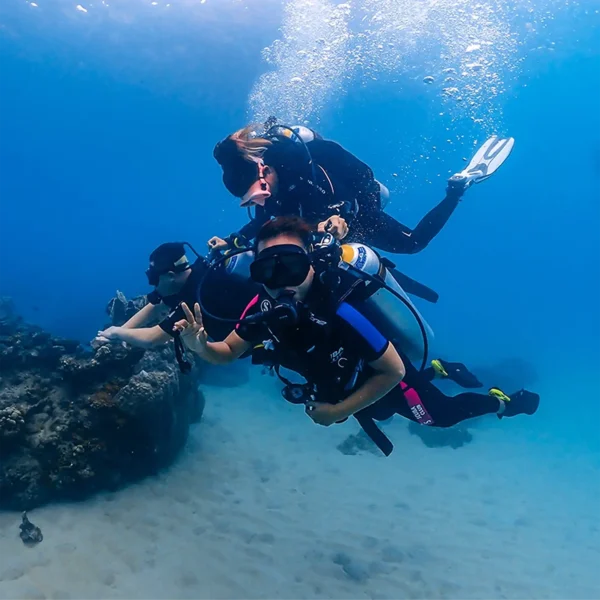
<point>281,266</point>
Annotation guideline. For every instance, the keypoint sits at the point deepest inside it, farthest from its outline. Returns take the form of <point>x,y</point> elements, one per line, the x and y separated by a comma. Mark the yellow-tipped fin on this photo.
<point>438,368</point>
<point>499,394</point>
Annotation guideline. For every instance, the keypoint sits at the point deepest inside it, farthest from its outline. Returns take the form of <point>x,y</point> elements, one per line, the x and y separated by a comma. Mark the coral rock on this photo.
<point>74,422</point>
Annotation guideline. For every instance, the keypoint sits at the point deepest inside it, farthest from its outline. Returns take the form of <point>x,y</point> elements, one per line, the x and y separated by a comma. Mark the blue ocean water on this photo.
<point>109,112</point>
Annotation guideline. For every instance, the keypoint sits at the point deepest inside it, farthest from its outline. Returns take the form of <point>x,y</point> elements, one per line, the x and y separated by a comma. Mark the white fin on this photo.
<point>487,160</point>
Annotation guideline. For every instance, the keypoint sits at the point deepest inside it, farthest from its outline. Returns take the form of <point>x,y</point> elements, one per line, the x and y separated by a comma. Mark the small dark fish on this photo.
<point>30,534</point>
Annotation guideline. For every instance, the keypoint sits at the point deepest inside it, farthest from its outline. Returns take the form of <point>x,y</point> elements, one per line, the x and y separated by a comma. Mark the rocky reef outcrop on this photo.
<point>74,422</point>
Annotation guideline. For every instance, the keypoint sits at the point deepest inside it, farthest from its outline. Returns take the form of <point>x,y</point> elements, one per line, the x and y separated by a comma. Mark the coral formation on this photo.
<point>73,422</point>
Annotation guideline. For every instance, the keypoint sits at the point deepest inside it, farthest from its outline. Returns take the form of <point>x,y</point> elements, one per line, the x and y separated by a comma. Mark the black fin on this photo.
<point>415,288</point>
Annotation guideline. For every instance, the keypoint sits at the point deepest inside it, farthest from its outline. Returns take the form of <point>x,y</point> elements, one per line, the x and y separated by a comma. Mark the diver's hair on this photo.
<point>251,148</point>
<point>290,225</point>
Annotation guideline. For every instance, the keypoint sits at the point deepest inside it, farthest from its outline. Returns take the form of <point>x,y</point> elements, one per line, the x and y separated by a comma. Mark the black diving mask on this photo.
<point>281,266</point>
<point>153,274</point>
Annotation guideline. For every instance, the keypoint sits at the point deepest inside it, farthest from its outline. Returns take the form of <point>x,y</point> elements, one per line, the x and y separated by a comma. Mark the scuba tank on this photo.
<point>237,266</point>
<point>383,307</point>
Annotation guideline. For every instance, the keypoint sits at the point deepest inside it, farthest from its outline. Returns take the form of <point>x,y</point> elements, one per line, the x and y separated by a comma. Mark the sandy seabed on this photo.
<point>263,505</point>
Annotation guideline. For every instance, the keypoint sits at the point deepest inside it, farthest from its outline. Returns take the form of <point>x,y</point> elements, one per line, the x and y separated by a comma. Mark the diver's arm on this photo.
<point>145,337</point>
<point>249,230</point>
<point>142,316</point>
<point>194,336</point>
<point>222,353</point>
<point>389,372</point>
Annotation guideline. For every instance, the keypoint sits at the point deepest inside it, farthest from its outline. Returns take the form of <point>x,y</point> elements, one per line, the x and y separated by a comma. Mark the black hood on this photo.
<point>238,173</point>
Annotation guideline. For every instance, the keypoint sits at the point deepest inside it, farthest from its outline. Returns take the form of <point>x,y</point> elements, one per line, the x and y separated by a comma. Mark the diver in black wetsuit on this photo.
<point>176,280</point>
<point>418,399</point>
<point>294,171</point>
<point>313,320</point>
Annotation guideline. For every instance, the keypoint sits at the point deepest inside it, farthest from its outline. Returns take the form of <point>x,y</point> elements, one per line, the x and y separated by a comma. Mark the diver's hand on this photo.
<point>99,341</point>
<point>111,334</point>
<point>108,336</point>
<point>324,414</point>
<point>335,225</point>
<point>217,243</point>
<point>191,329</point>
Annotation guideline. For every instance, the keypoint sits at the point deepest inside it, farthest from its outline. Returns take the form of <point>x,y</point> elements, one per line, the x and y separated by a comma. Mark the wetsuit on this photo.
<point>342,184</point>
<point>331,345</point>
<point>419,400</point>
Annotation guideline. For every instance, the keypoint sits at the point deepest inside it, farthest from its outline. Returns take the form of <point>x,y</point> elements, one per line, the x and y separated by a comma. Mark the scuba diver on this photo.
<point>313,317</point>
<point>176,280</point>
<point>294,171</point>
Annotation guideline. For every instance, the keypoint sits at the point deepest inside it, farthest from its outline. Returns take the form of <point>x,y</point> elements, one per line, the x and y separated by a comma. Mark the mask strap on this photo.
<point>262,174</point>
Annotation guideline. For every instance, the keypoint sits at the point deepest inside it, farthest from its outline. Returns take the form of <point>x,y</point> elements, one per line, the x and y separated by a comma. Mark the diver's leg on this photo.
<point>386,233</point>
<point>433,222</point>
<point>450,410</point>
<point>427,405</point>
<point>446,411</point>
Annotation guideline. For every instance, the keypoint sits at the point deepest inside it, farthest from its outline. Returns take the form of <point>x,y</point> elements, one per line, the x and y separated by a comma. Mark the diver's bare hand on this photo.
<point>335,225</point>
<point>191,329</point>
<point>99,341</point>
<point>217,243</point>
<point>324,414</point>
<point>111,334</point>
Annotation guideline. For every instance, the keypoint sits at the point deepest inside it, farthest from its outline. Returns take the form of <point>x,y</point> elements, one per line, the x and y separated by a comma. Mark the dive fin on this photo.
<point>486,161</point>
<point>415,288</point>
<point>457,372</point>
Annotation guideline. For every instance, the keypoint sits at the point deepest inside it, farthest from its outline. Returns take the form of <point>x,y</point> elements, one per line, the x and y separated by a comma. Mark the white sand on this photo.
<point>262,505</point>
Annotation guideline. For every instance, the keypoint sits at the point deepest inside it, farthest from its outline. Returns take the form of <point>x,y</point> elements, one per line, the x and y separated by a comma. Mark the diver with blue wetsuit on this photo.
<point>311,317</point>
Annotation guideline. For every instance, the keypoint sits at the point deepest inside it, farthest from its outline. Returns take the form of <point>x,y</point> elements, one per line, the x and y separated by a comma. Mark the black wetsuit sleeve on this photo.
<point>251,229</point>
<point>169,321</point>
<point>386,233</point>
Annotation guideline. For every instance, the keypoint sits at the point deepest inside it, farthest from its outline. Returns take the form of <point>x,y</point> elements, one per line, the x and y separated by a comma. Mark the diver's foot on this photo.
<point>457,185</point>
<point>457,372</point>
<point>519,403</point>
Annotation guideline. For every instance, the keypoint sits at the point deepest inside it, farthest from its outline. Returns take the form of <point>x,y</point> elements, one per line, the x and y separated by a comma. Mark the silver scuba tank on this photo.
<point>238,266</point>
<point>384,194</point>
<point>304,134</point>
<point>387,312</point>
